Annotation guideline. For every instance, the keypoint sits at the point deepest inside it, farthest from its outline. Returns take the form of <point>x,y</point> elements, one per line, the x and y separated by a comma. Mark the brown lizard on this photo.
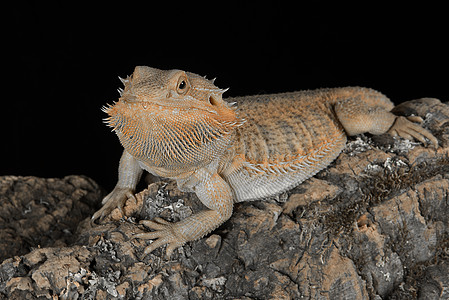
<point>176,124</point>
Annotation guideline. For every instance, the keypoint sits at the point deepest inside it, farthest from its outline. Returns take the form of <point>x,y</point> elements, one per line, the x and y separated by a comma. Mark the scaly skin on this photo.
<point>176,124</point>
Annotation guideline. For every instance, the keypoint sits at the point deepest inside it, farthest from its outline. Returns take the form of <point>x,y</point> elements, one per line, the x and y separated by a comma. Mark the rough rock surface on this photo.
<point>36,212</point>
<point>373,225</point>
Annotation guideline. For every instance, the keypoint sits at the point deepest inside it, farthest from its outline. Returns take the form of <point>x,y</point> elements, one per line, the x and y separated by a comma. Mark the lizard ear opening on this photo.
<point>213,100</point>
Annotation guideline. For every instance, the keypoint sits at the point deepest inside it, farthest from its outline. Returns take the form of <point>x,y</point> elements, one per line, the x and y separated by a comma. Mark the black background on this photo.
<point>63,61</point>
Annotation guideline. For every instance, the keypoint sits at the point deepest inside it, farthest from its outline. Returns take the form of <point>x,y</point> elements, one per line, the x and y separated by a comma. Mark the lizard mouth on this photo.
<point>130,99</point>
<point>127,94</point>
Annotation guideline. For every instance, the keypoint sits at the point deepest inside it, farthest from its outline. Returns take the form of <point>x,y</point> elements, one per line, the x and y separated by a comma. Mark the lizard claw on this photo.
<point>115,199</point>
<point>164,233</point>
<point>405,128</point>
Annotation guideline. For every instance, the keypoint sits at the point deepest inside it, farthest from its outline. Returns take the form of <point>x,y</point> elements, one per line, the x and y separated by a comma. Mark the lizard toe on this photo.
<point>405,128</point>
<point>171,246</point>
<point>101,214</point>
<point>116,199</point>
<point>412,135</point>
<point>416,119</point>
<point>156,224</point>
<point>164,233</point>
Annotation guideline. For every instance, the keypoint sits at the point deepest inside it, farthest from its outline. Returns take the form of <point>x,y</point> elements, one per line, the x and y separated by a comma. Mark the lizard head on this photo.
<point>172,117</point>
<point>173,88</point>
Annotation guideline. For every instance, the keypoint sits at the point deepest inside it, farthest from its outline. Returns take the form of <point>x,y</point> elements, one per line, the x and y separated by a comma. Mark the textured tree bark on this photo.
<point>373,225</point>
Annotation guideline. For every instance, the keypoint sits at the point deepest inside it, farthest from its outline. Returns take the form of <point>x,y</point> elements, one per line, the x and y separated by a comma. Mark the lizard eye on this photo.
<point>182,86</point>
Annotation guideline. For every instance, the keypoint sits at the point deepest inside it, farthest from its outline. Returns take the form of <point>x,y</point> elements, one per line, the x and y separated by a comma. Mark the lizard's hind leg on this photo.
<point>357,115</point>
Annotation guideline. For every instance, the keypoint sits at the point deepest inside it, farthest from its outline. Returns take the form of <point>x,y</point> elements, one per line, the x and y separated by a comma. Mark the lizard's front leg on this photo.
<point>216,194</point>
<point>129,173</point>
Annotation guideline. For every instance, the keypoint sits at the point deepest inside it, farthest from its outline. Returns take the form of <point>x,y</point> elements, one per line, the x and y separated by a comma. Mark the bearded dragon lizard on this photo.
<point>176,124</point>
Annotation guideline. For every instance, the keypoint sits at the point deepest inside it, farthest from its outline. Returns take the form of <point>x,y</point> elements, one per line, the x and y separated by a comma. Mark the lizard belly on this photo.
<point>252,182</point>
